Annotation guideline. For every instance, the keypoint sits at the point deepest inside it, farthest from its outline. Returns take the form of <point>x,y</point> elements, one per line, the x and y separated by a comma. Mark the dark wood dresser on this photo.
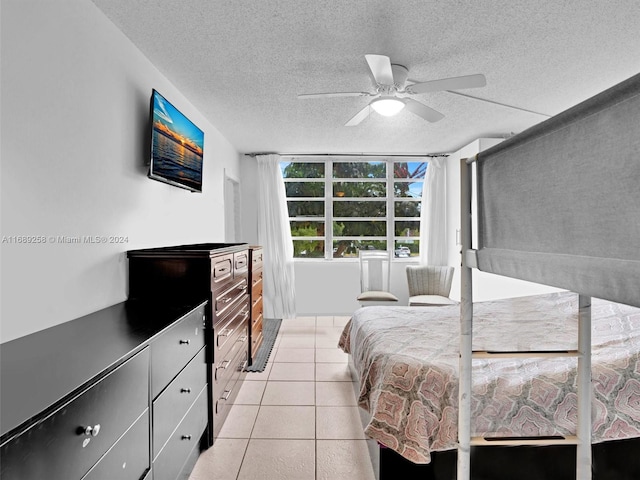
<point>120,393</point>
<point>219,272</point>
<point>257,311</point>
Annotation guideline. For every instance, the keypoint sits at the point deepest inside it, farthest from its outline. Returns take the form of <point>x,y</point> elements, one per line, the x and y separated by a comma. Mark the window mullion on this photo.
<point>390,209</point>
<point>328,209</point>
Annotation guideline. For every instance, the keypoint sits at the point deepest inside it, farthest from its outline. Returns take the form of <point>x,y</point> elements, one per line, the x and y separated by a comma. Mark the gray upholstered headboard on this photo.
<point>559,204</point>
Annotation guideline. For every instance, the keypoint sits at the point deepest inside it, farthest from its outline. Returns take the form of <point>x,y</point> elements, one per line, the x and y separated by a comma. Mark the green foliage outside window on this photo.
<point>358,191</point>
<point>359,169</point>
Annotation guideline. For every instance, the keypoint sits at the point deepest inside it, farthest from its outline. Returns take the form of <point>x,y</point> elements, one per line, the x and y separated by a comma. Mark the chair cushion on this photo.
<point>430,300</point>
<point>375,295</point>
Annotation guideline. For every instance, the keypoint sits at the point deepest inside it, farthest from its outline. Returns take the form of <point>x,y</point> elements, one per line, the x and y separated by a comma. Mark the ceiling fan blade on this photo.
<point>380,66</point>
<point>453,83</point>
<point>303,96</point>
<point>359,117</point>
<point>501,104</point>
<point>421,110</point>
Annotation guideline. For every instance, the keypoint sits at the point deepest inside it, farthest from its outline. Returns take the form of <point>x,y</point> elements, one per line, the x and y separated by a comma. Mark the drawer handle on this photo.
<point>185,437</point>
<point>225,332</point>
<point>185,342</point>
<point>91,431</point>
<point>185,390</point>
<point>241,285</point>
<point>225,395</point>
<point>222,366</point>
<point>243,339</point>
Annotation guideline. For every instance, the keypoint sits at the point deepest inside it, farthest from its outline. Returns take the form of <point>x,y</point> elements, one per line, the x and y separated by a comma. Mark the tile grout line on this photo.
<point>315,392</point>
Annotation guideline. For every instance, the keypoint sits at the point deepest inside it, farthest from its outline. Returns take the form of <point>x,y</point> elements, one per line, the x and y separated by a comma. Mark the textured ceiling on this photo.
<point>242,63</point>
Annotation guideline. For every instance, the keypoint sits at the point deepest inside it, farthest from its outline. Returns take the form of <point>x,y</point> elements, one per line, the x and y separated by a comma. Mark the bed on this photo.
<point>559,205</point>
<point>410,389</point>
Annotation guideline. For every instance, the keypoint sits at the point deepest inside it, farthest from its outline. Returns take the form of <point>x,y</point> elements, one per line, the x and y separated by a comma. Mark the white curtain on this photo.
<point>433,215</point>
<point>274,234</point>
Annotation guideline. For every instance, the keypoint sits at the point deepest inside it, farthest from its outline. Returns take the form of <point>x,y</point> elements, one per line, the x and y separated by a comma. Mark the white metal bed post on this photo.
<point>466,327</point>
<point>583,453</point>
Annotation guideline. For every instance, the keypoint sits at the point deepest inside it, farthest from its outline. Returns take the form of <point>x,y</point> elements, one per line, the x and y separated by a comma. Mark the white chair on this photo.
<point>375,268</point>
<point>429,285</point>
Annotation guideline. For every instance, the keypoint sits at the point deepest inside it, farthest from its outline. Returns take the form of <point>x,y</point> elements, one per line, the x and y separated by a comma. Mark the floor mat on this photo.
<point>270,328</point>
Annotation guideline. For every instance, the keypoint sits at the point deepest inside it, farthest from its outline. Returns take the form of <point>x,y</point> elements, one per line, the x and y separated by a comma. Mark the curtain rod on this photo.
<point>411,155</point>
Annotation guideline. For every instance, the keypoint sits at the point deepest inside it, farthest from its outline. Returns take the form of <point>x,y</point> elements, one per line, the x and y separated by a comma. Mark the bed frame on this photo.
<point>558,204</point>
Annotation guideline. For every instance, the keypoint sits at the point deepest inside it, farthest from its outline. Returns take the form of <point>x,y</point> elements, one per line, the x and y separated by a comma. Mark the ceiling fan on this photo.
<point>391,87</point>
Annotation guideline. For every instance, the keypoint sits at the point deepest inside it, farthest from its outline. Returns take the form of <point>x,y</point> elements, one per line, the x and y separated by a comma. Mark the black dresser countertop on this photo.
<point>193,250</point>
<point>38,371</point>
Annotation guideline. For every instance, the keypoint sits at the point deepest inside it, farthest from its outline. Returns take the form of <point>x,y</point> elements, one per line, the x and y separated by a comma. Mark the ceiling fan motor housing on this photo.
<point>400,75</point>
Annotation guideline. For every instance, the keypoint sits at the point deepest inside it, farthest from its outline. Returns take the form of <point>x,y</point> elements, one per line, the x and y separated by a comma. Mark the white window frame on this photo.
<point>328,200</point>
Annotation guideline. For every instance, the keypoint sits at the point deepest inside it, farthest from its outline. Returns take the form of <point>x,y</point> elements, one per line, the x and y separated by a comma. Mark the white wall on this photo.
<point>331,287</point>
<point>75,113</point>
<point>248,199</point>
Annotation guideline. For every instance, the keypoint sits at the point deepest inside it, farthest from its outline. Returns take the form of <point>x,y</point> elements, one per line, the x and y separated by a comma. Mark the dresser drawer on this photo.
<point>67,443</point>
<point>182,441</point>
<point>256,308</point>
<point>225,393</point>
<point>174,402</point>
<point>175,347</point>
<point>256,326</point>
<point>227,331</point>
<point>227,298</point>
<point>256,284</point>
<point>221,270</point>
<point>128,459</point>
<point>256,257</point>
<point>223,366</point>
<point>240,262</point>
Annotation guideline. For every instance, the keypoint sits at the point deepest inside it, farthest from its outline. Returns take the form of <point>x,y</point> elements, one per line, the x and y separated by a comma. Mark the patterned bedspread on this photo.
<point>407,362</point>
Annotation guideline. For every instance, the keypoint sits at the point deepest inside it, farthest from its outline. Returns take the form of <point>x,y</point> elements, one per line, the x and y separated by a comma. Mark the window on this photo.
<point>339,205</point>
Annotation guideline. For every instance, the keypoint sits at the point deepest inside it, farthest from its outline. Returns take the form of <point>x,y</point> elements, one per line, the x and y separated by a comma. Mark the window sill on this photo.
<point>351,260</point>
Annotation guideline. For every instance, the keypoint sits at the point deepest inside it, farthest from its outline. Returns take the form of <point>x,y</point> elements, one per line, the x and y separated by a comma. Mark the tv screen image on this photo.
<point>176,146</point>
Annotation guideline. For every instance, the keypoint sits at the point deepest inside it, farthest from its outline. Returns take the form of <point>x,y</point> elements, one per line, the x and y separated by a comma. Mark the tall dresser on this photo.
<point>257,311</point>
<point>219,272</point>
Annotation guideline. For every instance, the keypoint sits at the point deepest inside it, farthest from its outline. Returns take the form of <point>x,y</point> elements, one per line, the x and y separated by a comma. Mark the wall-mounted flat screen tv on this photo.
<point>176,146</point>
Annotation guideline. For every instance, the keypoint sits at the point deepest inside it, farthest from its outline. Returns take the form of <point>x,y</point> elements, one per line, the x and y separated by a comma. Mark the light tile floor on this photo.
<point>297,420</point>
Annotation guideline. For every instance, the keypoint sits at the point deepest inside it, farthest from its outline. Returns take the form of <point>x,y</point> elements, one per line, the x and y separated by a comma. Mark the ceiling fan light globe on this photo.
<point>387,106</point>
